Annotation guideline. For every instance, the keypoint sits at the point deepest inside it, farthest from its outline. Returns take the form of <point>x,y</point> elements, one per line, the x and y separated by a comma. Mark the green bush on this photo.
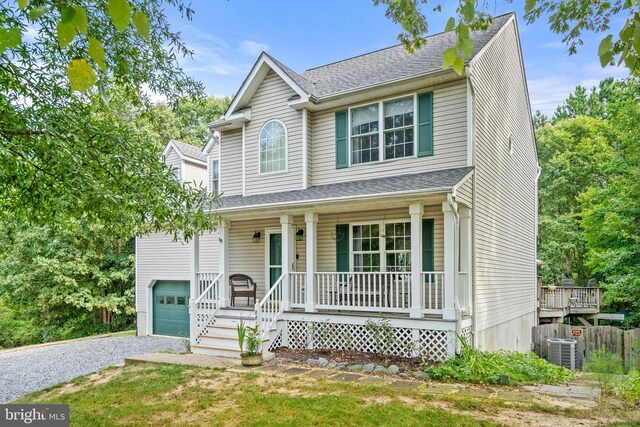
<point>607,367</point>
<point>629,388</point>
<point>482,367</point>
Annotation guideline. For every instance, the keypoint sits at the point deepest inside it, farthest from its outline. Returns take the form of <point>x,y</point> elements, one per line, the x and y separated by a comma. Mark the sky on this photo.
<point>227,36</point>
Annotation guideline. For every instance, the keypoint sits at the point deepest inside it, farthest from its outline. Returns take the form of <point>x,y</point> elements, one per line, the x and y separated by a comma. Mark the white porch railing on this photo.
<point>298,288</point>
<point>355,291</point>
<point>208,302</point>
<point>270,308</point>
<point>433,291</point>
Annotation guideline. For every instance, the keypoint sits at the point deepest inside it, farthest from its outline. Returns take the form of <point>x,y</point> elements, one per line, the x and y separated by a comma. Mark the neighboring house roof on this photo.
<point>393,63</point>
<point>186,150</point>
<point>424,182</point>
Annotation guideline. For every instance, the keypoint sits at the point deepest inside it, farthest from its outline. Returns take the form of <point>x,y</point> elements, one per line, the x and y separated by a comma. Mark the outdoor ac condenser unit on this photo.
<point>563,352</point>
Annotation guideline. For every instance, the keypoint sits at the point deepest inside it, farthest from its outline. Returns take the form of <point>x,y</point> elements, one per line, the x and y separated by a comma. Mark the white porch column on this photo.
<point>194,291</point>
<point>448,307</point>
<point>311,220</point>
<point>223,258</point>
<point>464,214</point>
<point>416,211</point>
<point>288,255</point>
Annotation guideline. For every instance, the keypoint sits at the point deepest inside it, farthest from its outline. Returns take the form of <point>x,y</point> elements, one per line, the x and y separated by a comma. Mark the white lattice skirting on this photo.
<point>433,345</point>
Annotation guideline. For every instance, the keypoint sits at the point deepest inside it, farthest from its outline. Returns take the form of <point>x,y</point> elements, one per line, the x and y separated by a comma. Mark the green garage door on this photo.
<point>171,308</point>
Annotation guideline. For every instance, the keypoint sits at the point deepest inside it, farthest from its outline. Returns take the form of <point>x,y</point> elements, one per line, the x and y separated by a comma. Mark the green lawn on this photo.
<point>169,394</point>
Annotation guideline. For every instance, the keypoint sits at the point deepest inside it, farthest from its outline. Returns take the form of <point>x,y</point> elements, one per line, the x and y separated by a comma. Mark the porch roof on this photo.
<point>419,183</point>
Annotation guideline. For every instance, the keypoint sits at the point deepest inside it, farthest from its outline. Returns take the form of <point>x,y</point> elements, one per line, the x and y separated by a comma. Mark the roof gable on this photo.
<point>186,151</point>
<point>261,68</point>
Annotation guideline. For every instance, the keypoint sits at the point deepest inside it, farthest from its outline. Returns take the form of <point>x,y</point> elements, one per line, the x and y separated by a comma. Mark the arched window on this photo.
<point>273,147</point>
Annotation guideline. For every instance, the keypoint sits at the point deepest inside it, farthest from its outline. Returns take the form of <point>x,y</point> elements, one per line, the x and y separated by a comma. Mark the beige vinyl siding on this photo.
<point>465,192</point>
<point>172,159</point>
<point>270,102</point>
<point>209,249</point>
<point>449,142</point>
<point>231,163</point>
<point>194,174</point>
<point>505,197</point>
<point>309,148</point>
<point>327,225</point>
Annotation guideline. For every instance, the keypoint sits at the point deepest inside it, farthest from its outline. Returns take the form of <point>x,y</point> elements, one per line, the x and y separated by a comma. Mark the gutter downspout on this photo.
<point>305,166</point>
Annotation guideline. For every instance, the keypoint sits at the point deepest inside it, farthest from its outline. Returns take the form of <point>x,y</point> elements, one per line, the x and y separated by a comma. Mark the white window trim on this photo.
<point>380,103</point>
<point>286,149</point>
<point>382,251</point>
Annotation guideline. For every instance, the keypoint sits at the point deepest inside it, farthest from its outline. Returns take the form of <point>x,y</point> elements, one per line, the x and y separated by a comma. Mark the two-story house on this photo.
<point>379,186</point>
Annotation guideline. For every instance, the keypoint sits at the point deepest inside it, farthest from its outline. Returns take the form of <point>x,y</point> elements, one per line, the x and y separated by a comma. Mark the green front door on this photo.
<point>171,308</point>
<point>275,257</point>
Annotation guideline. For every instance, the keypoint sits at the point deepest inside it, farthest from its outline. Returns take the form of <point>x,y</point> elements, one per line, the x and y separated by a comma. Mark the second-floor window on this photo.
<point>396,132</point>
<point>273,147</point>
<point>215,176</point>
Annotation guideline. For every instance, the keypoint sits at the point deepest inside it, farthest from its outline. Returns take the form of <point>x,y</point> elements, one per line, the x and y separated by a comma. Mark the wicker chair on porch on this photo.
<point>242,286</point>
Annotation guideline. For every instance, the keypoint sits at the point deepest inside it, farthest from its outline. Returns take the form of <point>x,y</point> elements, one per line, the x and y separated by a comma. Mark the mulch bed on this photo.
<point>351,358</point>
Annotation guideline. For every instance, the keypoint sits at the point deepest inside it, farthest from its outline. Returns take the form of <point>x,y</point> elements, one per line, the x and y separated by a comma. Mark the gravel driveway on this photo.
<point>27,370</point>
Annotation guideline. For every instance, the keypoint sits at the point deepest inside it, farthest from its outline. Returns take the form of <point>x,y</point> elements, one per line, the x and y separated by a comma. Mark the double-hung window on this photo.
<point>398,128</point>
<point>365,134</point>
<point>373,251</point>
<point>215,176</point>
<point>397,131</point>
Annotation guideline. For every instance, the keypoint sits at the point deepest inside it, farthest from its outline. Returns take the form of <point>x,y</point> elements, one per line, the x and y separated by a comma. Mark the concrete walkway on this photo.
<point>199,360</point>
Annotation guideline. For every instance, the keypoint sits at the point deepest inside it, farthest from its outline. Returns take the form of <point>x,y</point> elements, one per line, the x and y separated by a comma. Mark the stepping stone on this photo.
<point>318,373</point>
<point>435,388</point>
<point>271,368</point>
<point>345,377</point>
<point>295,371</point>
<point>404,385</point>
<point>515,396</point>
<point>373,381</point>
<point>474,392</point>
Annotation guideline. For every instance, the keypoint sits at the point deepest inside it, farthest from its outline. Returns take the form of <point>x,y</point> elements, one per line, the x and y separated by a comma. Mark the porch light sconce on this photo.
<point>300,234</point>
<point>256,237</point>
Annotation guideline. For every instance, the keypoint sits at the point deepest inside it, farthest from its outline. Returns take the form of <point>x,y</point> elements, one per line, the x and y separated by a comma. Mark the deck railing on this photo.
<point>298,288</point>
<point>433,291</point>
<point>269,309</point>
<point>207,304</point>
<point>364,291</point>
<point>569,297</point>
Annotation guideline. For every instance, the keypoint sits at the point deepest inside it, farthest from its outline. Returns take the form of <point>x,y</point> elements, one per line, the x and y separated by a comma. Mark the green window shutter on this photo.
<point>342,247</point>
<point>427,245</point>
<point>342,145</point>
<point>425,124</point>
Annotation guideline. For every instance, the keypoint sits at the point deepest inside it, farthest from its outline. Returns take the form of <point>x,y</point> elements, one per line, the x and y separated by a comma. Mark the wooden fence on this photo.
<point>626,343</point>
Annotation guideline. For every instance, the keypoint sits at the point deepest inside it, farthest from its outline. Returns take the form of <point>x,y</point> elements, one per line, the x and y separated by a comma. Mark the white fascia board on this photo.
<point>169,146</point>
<point>255,77</point>
<point>215,138</point>
<point>366,197</point>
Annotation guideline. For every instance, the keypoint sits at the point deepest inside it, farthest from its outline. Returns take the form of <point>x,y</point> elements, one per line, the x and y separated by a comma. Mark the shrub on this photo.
<point>629,388</point>
<point>482,367</point>
<point>607,366</point>
<point>382,334</point>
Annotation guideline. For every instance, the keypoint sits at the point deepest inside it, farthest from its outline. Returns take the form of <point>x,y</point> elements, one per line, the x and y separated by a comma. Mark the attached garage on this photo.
<point>171,308</point>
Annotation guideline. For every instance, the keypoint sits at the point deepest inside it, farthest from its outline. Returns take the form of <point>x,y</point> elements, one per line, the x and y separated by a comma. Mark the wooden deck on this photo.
<point>555,303</point>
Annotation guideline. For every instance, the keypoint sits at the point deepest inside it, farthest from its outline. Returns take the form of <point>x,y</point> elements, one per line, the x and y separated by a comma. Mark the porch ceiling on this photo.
<point>410,185</point>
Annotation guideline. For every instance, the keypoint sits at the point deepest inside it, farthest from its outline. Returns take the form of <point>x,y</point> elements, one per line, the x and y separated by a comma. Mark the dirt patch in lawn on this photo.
<point>405,364</point>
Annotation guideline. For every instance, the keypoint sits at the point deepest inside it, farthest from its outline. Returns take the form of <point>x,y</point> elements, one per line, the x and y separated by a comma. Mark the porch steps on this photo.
<point>221,338</point>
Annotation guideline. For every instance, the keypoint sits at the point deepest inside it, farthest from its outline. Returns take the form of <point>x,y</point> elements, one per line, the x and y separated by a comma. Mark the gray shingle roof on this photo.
<point>301,81</point>
<point>190,150</point>
<point>419,182</point>
<point>387,65</point>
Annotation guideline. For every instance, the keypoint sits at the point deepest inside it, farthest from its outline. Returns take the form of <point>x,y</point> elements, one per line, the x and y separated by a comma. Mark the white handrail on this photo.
<point>270,308</point>
<point>205,307</point>
<point>433,282</point>
<point>208,288</point>
<point>298,288</point>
